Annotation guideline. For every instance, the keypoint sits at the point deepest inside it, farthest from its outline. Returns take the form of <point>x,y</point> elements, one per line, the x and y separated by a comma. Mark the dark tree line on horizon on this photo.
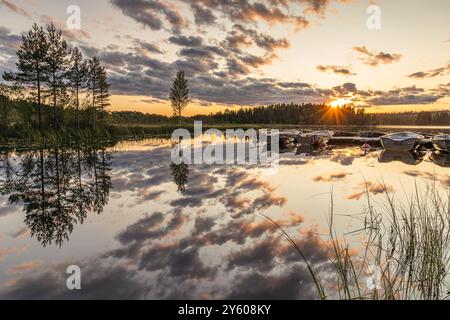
<point>278,115</point>
<point>54,85</point>
<point>294,114</point>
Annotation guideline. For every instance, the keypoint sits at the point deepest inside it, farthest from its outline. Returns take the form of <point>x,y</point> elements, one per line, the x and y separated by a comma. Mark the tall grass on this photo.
<point>408,243</point>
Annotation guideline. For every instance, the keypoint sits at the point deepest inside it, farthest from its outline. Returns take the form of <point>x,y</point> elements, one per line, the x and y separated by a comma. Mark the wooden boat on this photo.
<point>441,142</point>
<point>402,141</point>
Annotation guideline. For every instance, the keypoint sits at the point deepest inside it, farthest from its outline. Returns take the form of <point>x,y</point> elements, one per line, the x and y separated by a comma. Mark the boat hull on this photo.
<point>442,145</point>
<point>409,158</point>
<point>399,145</point>
<point>441,159</point>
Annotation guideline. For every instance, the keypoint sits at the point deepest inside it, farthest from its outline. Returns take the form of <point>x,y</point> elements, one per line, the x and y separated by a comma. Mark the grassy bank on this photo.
<point>19,134</point>
<point>28,135</point>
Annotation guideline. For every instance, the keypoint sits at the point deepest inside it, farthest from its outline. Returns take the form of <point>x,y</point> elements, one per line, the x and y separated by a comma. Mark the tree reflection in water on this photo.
<point>57,187</point>
<point>180,172</point>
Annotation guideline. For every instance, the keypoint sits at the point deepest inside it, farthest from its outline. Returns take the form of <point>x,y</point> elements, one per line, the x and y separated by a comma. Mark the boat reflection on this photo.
<point>441,159</point>
<point>57,187</point>
<point>309,150</point>
<point>409,158</point>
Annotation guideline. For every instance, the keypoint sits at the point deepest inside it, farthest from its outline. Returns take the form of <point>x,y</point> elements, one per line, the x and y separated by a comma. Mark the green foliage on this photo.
<point>57,60</point>
<point>179,94</point>
<point>58,186</point>
<point>32,65</point>
<point>52,79</point>
<point>77,75</point>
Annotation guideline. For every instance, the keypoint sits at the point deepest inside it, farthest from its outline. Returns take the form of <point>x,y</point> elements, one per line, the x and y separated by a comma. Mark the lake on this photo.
<point>140,227</point>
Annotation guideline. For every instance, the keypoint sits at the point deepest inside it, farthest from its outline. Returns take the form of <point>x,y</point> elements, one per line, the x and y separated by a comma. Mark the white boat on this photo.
<point>441,142</point>
<point>402,141</point>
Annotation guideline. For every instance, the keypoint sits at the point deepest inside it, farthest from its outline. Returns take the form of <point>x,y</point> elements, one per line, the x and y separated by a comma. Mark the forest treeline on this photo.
<point>22,112</point>
<point>426,118</point>
<point>292,114</point>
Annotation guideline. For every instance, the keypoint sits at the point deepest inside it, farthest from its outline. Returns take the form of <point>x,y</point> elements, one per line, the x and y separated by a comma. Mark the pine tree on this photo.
<point>94,87</point>
<point>32,65</point>
<point>179,95</point>
<point>4,109</point>
<point>58,64</point>
<point>103,91</point>
<point>78,77</point>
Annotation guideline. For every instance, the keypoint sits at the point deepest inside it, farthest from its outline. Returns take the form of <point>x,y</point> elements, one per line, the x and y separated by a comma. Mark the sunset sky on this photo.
<point>246,53</point>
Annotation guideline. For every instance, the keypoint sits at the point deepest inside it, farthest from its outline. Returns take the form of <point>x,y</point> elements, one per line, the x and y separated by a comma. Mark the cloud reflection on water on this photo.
<point>206,241</point>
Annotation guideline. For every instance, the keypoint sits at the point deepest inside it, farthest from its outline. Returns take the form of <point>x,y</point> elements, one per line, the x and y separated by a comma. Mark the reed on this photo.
<point>408,242</point>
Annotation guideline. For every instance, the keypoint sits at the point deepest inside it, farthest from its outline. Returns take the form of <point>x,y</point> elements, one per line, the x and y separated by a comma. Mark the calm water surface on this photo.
<point>142,228</point>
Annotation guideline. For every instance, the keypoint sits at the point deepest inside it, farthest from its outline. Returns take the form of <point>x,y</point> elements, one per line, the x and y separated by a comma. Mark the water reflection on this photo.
<point>441,159</point>
<point>178,231</point>
<point>308,150</point>
<point>409,158</point>
<point>179,171</point>
<point>57,188</point>
<point>180,174</point>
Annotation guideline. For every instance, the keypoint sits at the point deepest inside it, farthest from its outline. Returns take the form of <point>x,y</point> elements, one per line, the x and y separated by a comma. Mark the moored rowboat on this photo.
<point>401,142</point>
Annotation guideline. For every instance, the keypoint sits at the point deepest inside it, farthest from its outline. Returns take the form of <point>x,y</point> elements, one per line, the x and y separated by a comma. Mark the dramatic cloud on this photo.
<point>374,59</point>
<point>6,208</point>
<point>71,35</point>
<point>186,41</point>
<point>47,284</point>
<point>9,43</point>
<point>264,41</point>
<point>444,179</point>
<point>144,48</point>
<point>24,267</point>
<point>15,8</point>
<point>339,70</point>
<point>203,16</point>
<point>148,13</point>
<point>431,73</point>
<point>246,11</point>
<point>332,177</point>
<point>407,95</point>
<point>368,188</point>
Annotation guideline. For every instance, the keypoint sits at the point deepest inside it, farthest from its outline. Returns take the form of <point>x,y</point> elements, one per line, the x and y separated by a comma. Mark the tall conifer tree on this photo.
<point>179,95</point>
<point>58,64</point>
<point>32,65</point>
<point>78,76</point>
